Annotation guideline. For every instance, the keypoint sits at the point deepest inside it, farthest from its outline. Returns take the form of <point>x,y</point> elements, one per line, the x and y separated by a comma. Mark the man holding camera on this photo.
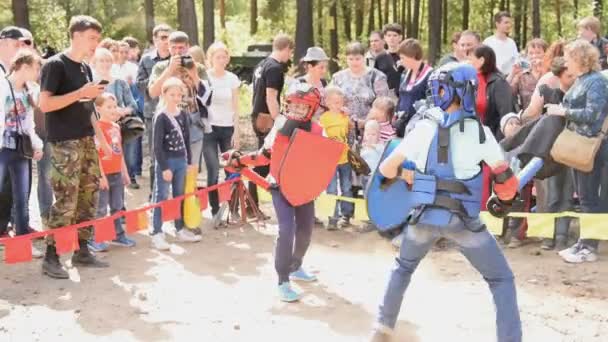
<point>182,66</point>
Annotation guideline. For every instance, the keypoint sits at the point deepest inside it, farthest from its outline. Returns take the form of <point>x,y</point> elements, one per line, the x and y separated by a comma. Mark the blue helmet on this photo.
<point>455,79</point>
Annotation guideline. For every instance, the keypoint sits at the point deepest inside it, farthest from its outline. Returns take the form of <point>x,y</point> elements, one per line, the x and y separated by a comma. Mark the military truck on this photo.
<point>244,65</point>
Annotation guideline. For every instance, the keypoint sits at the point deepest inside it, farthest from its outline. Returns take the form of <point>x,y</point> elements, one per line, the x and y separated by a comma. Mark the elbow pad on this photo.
<point>505,182</point>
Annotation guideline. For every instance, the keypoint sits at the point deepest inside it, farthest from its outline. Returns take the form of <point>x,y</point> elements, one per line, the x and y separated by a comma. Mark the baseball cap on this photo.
<point>11,32</point>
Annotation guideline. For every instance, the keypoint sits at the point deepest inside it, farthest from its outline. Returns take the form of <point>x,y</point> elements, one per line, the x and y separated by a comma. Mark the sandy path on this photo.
<point>223,289</point>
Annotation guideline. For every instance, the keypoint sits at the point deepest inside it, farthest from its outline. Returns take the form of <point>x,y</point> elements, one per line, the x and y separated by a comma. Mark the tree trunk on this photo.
<point>380,19</point>
<point>524,38</point>
<point>558,17</point>
<point>434,21</point>
<point>320,21</point>
<point>575,9</point>
<point>371,22</point>
<point>466,8</point>
<point>360,4</point>
<point>386,11</point>
<point>444,26</point>
<point>21,13</point>
<point>348,18</point>
<point>416,19</point>
<point>502,5</point>
<point>208,23</point>
<point>253,17</point>
<point>423,5</point>
<point>403,17</point>
<point>90,7</point>
<point>598,8</point>
<point>491,13</point>
<point>536,18</point>
<point>517,22</point>
<point>333,36</point>
<point>223,13</point>
<point>149,10</point>
<point>304,28</point>
<point>408,15</point>
<point>395,10</point>
<point>186,18</point>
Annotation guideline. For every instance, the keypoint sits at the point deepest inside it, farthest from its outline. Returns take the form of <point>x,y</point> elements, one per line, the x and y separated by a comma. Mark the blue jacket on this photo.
<point>587,104</point>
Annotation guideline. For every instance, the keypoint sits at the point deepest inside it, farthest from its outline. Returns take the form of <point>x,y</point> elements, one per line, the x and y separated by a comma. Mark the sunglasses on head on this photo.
<point>27,42</point>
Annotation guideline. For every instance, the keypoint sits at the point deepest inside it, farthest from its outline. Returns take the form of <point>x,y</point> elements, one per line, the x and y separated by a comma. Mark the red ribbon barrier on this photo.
<point>19,248</point>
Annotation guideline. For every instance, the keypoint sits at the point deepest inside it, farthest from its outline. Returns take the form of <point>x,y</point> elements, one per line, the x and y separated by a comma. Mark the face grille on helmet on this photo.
<point>303,93</point>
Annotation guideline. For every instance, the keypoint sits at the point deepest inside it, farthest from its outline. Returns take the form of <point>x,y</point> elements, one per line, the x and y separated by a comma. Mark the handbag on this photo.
<point>578,151</point>
<point>357,163</point>
<point>23,141</point>
<point>264,122</point>
<point>131,127</point>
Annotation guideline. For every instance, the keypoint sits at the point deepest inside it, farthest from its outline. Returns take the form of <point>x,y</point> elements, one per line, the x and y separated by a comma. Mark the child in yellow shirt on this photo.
<point>336,125</point>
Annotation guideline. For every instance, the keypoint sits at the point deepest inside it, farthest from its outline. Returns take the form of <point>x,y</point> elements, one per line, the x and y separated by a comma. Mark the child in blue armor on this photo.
<point>451,148</point>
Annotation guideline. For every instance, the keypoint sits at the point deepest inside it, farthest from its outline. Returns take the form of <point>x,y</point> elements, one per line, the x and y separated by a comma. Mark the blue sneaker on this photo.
<point>123,241</point>
<point>97,247</point>
<point>301,275</point>
<point>287,294</point>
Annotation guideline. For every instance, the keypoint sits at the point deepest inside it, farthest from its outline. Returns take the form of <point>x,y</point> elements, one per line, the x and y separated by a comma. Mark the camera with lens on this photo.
<point>187,62</point>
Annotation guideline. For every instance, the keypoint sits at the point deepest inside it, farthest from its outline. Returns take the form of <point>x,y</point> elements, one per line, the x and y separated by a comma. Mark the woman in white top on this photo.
<point>223,115</point>
<point>17,120</point>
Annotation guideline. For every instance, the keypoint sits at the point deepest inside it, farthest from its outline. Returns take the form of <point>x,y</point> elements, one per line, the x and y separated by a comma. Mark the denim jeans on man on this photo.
<point>343,175</point>
<point>588,189</point>
<point>482,251</point>
<point>130,153</point>
<point>295,228</point>
<point>13,165</point>
<point>220,138</point>
<point>178,167</point>
<point>114,196</point>
<point>45,190</point>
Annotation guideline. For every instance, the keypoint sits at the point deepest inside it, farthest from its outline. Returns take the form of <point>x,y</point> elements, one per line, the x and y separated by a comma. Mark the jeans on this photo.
<point>114,196</point>
<point>149,127</point>
<point>483,253</point>
<point>197,154</point>
<point>295,223</point>
<point>220,138</point>
<point>178,167</point>
<point>587,188</point>
<point>13,165</point>
<point>559,192</point>
<point>139,157</point>
<point>343,174</point>
<point>130,153</point>
<point>260,170</point>
<point>45,190</point>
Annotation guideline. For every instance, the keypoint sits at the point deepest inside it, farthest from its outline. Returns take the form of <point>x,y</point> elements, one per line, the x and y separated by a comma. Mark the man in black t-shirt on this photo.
<point>66,96</point>
<point>393,36</point>
<point>377,57</point>
<point>268,81</point>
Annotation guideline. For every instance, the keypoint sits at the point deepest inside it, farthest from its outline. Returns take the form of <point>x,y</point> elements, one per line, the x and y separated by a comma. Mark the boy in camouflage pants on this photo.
<point>66,99</point>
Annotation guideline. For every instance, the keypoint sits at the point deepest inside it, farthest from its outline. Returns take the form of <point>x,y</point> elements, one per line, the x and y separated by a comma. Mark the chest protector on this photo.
<point>453,196</point>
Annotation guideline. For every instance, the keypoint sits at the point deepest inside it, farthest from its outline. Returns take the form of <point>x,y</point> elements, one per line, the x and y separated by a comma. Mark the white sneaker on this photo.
<point>159,242</point>
<point>184,235</point>
<point>570,250</point>
<point>36,253</point>
<point>582,255</point>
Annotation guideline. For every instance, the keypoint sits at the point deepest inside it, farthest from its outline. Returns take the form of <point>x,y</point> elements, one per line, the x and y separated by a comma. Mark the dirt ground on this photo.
<point>224,289</point>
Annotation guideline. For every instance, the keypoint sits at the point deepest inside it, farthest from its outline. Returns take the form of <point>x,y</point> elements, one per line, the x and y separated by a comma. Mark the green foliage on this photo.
<point>126,17</point>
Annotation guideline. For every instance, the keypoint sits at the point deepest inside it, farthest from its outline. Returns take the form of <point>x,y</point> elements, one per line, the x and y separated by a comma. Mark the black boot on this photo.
<point>51,265</point>
<point>83,257</point>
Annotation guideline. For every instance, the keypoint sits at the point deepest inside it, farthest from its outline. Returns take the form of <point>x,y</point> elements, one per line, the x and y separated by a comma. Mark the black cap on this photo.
<point>11,32</point>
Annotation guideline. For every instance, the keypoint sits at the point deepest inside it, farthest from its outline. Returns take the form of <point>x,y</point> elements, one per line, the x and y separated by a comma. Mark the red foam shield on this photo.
<point>308,166</point>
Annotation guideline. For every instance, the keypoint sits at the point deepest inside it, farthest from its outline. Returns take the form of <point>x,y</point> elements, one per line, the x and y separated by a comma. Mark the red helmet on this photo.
<point>303,94</point>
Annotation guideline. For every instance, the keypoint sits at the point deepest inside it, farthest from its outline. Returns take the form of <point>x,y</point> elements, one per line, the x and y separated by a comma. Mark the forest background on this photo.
<point>327,23</point>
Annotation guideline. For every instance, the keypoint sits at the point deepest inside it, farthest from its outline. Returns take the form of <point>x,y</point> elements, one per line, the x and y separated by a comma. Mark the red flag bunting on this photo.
<point>203,200</point>
<point>224,192</point>
<point>171,210</point>
<point>17,250</point>
<point>66,240</point>
<point>132,221</point>
<point>105,230</point>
